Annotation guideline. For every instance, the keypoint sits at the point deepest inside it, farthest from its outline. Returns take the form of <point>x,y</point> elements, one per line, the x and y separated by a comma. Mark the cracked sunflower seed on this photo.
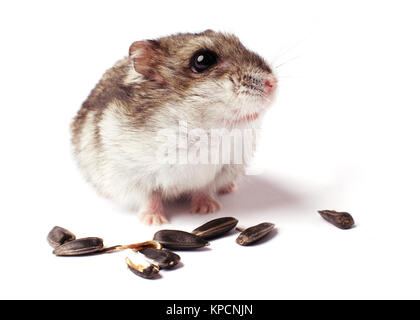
<point>148,272</point>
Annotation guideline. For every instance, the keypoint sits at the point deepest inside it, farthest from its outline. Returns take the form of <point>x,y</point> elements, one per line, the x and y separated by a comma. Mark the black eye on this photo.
<point>203,60</point>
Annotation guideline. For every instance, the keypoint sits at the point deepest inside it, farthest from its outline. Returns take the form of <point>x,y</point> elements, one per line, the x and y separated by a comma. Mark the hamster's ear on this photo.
<point>146,56</point>
<point>209,31</point>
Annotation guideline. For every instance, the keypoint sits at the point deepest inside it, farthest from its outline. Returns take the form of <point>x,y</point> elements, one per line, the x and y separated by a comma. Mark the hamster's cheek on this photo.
<point>213,92</point>
<point>214,88</point>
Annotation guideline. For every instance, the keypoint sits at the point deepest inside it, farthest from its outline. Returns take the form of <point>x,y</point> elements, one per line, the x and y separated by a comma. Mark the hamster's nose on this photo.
<point>270,85</point>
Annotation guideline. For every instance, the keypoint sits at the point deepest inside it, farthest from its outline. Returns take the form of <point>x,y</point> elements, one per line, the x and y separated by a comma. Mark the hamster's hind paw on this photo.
<point>204,203</point>
<point>149,217</point>
<point>153,213</point>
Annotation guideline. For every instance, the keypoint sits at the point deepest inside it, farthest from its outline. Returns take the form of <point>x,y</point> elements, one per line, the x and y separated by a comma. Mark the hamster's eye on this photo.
<point>203,60</point>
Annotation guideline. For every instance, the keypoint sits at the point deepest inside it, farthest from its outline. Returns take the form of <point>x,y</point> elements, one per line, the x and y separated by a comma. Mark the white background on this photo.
<point>343,134</point>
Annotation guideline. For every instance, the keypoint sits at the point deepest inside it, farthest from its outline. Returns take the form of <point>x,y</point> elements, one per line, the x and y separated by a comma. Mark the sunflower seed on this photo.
<point>215,228</point>
<point>148,272</point>
<point>80,247</point>
<point>165,259</point>
<point>179,240</point>
<point>342,220</point>
<point>58,236</point>
<point>255,233</point>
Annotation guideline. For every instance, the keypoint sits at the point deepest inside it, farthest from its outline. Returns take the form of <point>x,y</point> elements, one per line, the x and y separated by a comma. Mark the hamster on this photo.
<point>202,81</point>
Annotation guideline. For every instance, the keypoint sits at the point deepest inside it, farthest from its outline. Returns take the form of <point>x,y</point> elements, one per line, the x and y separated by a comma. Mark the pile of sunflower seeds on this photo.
<point>158,251</point>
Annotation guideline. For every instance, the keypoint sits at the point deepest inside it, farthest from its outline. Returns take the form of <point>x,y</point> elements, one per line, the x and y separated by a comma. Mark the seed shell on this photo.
<point>80,247</point>
<point>255,233</point>
<point>136,247</point>
<point>148,272</point>
<point>179,240</point>
<point>58,236</point>
<point>165,259</point>
<point>342,220</point>
<point>215,228</point>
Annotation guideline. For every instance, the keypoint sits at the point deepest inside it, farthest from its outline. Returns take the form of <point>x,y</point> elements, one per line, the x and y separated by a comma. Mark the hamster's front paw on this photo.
<point>204,203</point>
<point>229,188</point>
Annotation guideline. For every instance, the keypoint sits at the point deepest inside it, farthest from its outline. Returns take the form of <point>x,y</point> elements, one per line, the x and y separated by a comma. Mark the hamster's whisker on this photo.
<point>286,62</point>
<point>289,48</point>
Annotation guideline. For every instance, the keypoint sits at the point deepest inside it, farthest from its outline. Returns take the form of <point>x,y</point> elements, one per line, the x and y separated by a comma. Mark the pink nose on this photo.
<point>270,85</point>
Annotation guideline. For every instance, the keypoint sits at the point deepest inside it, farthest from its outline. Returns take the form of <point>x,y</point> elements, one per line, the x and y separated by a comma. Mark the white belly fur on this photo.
<point>125,169</point>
